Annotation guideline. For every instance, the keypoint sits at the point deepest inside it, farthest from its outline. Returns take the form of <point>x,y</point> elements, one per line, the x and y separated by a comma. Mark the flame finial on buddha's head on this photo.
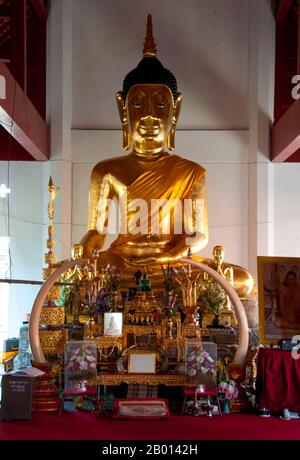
<point>149,44</point>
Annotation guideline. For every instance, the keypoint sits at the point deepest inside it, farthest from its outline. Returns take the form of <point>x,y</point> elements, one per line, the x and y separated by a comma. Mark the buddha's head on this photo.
<point>218,253</point>
<point>149,104</point>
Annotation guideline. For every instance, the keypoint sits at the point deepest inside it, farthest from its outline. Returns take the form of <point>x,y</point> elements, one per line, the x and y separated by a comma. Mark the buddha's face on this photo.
<point>218,253</point>
<point>149,110</point>
<point>77,251</point>
<point>150,114</point>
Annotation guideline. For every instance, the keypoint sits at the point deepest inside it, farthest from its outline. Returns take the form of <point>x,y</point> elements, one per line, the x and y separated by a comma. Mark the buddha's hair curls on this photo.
<point>150,70</point>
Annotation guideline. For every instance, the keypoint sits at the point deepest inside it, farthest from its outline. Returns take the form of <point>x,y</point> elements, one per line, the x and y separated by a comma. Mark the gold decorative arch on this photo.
<point>34,322</point>
<point>243,339</point>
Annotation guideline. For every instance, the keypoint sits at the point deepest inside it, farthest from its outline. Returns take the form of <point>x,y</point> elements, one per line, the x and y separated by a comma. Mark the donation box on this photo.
<point>16,401</point>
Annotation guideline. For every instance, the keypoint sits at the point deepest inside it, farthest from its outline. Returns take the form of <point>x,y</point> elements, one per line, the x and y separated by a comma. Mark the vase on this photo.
<point>216,320</point>
<point>226,409</point>
<point>189,312</point>
<point>170,328</point>
<point>216,323</point>
<point>81,385</point>
<point>76,331</point>
<point>116,300</point>
<point>201,388</point>
<point>91,325</point>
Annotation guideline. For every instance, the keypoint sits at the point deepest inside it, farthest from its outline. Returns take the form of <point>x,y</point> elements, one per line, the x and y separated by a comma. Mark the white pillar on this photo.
<point>261,97</point>
<point>59,115</point>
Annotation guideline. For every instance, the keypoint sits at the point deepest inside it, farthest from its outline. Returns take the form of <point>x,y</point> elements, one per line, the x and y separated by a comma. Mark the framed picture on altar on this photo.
<point>200,363</point>
<point>279,298</point>
<point>141,362</point>
<point>113,324</point>
<point>80,364</point>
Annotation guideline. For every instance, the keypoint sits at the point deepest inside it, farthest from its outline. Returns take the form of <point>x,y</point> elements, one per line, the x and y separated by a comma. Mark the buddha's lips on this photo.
<point>148,132</point>
<point>149,129</point>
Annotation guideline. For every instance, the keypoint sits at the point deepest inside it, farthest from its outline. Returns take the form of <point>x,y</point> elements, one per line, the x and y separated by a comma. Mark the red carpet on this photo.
<point>87,426</point>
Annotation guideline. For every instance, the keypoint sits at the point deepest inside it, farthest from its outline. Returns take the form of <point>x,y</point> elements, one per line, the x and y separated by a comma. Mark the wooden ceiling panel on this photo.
<point>286,129</point>
<point>25,26</point>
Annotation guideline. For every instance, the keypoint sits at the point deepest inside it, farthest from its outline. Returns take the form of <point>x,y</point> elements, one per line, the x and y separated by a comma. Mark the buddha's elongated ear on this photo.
<point>177,107</point>
<point>124,120</point>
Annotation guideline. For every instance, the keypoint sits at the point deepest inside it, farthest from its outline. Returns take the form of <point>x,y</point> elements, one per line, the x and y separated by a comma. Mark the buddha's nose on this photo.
<point>149,122</point>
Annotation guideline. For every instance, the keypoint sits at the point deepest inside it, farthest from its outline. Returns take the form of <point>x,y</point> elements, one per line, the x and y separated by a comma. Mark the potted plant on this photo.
<point>213,297</point>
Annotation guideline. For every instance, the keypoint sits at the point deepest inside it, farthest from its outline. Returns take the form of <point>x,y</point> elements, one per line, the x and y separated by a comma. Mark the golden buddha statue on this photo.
<point>226,272</point>
<point>75,274</point>
<point>162,208</point>
<point>149,107</point>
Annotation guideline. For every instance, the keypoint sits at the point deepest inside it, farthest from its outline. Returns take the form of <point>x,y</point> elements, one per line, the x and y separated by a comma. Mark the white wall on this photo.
<point>286,210</point>
<point>203,42</point>
<point>26,231</point>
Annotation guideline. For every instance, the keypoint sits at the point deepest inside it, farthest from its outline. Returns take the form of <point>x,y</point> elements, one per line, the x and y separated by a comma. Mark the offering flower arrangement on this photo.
<point>169,275</point>
<point>169,305</point>
<point>82,365</point>
<point>229,390</point>
<point>227,387</point>
<point>114,276</point>
<point>103,295</point>
<point>213,298</point>
<point>200,366</point>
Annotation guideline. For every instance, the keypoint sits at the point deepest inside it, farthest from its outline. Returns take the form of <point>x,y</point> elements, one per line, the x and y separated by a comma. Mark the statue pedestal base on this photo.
<point>46,394</point>
<point>240,403</point>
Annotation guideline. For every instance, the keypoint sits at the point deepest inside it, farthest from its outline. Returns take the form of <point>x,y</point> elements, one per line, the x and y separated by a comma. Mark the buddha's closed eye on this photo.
<point>137,104</point>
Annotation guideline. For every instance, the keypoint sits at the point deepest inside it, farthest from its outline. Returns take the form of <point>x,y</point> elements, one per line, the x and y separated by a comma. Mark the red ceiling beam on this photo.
<point>21,119</point>
<point>286,134</point>
<point>283,9</point>
<point>40,9</point>
<point>18,50</point>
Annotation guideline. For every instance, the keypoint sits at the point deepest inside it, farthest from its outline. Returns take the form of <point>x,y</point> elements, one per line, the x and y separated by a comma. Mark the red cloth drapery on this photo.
<point>278,382</point>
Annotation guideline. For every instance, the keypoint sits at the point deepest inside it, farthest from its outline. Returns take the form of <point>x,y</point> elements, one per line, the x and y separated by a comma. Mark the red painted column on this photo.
<point>283,9</point>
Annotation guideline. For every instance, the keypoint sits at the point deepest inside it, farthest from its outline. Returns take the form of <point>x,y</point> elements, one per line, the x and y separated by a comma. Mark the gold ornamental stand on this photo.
<point>46,394</point>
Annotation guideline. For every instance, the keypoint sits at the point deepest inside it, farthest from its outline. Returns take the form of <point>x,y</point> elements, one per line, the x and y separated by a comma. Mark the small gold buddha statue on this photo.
<point>75,274</point>
<point>225,271</point>
<point>150,186</point>
<point>76,252</point>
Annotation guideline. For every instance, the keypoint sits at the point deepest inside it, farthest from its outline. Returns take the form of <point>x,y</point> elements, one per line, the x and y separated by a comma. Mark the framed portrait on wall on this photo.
<point>279,298</point>
<point>113,324</point>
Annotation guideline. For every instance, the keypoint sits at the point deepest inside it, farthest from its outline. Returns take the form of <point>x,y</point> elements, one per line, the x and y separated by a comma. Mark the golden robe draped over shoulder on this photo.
<point>170,178</point>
